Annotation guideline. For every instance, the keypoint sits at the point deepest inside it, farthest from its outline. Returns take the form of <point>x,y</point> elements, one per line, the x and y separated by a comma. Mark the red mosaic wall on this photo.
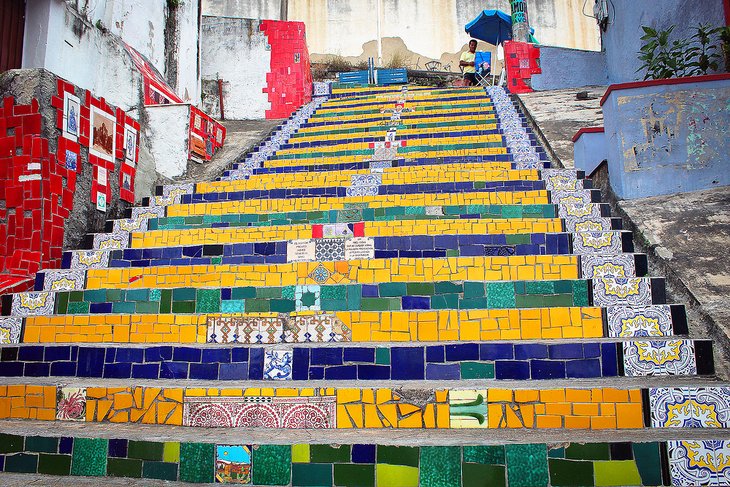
<point>289,83</point>
<point>206,135</point>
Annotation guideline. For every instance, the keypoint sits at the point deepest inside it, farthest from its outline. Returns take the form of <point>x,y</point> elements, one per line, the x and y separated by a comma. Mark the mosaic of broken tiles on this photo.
<point>682,463</point>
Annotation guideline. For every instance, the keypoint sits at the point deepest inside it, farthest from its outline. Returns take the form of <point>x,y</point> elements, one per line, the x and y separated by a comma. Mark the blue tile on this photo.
<point>110,355</point>
<point>204,371</point>
<point>118,448</point>
<point>566,351</point>
<point>609,360</point>
<point>36,369</point>
<point>583,369</point>
<point>373,372</point>
<point>234,371</point>
<point>462,351</point>
<point>53,354</point>
<point>443,372</point>
<point>66,445</point>
<point>300,363</point>
<point>511,369</point>
<point>239,354</point>
<point>135,355</point>
<point>591,350</point>
<point>326,356</point>
<point>187,354</point>
<point>15,369</point>
<point>221,355</point>
<point>32,353</point>
<point>256,364</point>
<point>435,353</point>
<point>341,372</point>
<point>548,369</point>
<point>363,453</point>
<point>145,371</point>
<point>359,354</point>
<point>157,354</point>
<point>407,363</point>
<point>174,370</point>
<point>62,369</point>
<point>90,362</point>
<point>316,373</point>
<point>416,302</point>
<point>118,371</point>
<point>496,351</point>
<point>526,351</point>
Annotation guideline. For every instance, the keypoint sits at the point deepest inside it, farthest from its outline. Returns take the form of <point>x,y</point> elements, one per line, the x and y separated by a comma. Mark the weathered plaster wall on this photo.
<point>187,79</point>
<point>568,68</point>
<point>235,50</point>
<point>168,132</point>
<point>429,30</point>
<point>667,139</point>
<point>622,38</point>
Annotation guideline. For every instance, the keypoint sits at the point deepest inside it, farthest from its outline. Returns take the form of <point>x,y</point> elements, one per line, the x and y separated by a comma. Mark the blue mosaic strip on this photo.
<point>416,246</point>
<point>469,96</point>
<point>341,191</point>
<point>357,137</point>
<point>513,361</point>
<point>379,117</point>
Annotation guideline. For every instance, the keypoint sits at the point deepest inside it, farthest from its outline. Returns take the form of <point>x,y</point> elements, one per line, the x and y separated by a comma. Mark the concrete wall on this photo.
<point>418,29</point>
<point>568,68</point>
<point>622,38</point>
<point>668,138</point>
<point>236,51</point>
<point>168,132</point>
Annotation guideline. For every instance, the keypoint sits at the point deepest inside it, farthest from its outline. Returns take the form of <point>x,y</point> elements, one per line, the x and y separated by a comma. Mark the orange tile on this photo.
<point>583,409</point>
<point>603,422</point>
<point>615,395</point>
<point>578,395</point>
<point>629,416</point>
<point>577,422</point>
<point>549,422</point>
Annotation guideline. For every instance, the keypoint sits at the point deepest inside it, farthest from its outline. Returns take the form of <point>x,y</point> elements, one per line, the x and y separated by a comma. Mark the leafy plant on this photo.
<point>704,53</point>
<point>662,58</point>
<point>725,46</point>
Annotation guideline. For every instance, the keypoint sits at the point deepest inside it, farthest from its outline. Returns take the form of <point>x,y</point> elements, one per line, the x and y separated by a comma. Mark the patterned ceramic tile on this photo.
<point>307,298</point>
<point>372,179</point>
<point>64,280</point>
<point>329,249</point>
<point>597,243</point>
<point>689,407</point>
<point>316,412</point>
<point>316,328</point>
<point>633,291</point>
<point>597,266</point>
<point>561,180</point>
<point>670,357</point>
<point>587,223</point>
<point>233,464</point>
<point>108,241</point>
<point>229,329</point>
<point>33,303</point>
<point>699,462</point>
<point>10,328</point>
<point>89,259</point>
<point>362,190</point>
<point>571,198</point>
<point>320,274</point>
<point>336,230</point>
<point>278,364</point>
<point>647,321</point>
<point>71,404</point>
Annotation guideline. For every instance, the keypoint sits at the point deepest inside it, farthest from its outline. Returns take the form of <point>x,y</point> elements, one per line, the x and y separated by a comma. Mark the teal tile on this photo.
<point>440,466</point>
<point>501,295</point>
<point>197,462</point>
<point>78,308</point>
<point>648,461</point>
<point>527,465</point>
<point>272,465</point>
<point>333,292</point>
<point>41,444</point>
<point>159,470</point>
<point>138,295</point>
<point>477,370</point>
<point>208,301</point>
<point>474,290</point>
<point>485,454</point>
<point>312,474</point>
<point>233,306</point>
<point>382,356</point>
<point>89,457</point>
<point>243,292</point>
<point>183,294</point>
<point>391,289</point>
<point>21,463</point>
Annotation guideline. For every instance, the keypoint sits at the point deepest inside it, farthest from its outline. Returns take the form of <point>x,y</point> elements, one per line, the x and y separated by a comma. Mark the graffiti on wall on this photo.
<point>519,11</point>
<point>679,128</point>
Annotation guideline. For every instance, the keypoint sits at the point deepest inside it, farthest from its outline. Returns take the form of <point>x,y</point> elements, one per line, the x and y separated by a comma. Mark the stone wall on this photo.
<point>569,68</point>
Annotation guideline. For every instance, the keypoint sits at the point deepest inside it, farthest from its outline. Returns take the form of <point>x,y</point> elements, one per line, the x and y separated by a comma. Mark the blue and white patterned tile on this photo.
<point>64,280</point>
<point>668,357</point>
<point>690,407</point>
<point>329,249</point>
<point>278,364</point>
<point>34,303</point>
<point>319,328</point>
<point>89,259</point>
<point>597,266</point>
<point>588,224</point>
<point>10,329</point>
<point>643,321</point>
<point>111,241</point>
<point>561,180</point>
<point>573,197</point>
<point>362,190</point>
<point>699,462</point>
<point>597,243</point>
<point>580,209</point>
<point>632,291</point>
<point>373,179</point>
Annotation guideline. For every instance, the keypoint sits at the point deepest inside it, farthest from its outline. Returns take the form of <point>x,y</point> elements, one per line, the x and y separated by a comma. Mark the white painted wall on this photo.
<point>187,83</point>
<point>235,50</point>
<point>167,133</point>
<point>252,9</point>
<point>63,43</point>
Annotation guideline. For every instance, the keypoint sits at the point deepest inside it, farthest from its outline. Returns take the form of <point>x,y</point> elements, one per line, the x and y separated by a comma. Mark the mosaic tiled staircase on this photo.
<point>393,271</point>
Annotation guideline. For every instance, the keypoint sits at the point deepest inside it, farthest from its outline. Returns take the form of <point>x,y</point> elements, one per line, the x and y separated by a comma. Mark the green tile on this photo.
<point>171,452</point>
<point>54,464</point>
<point>42,444</point>
<point>399,475</point>
<point>208,301</point>
<point>473,290</point>
<point>648,461</point>
<point>477,370</point>
<point>333,292</point>
<point>145,450</point>
<point>271,465</point>
<point>501,295</point>
<point>382,356</point>
<point>183,294</point>
<point>11,443</point>
<point>312,474</point>
<point>397,455</point>
<point>146,307</point>
<point>22,463</point>
<point>352,475</point>
<point>129,308</point>
<point>183,307</point>
<point>268,292</point>
<point>420,288</point>
<point>588,451</point>
<point>166,301</point>
<point>570,472</point>
<point>197,462</point>
<point>440,466</point>
<point>282,305</point>
<point>329,454</point>
<point>477,475</point>
<point>78,308</point>
<point>375,304</point>
<point>159,470</point>
<point>61,302</point>
<point>124,467</point>
<point>486,454</point>
<point>256,305</point>
<point>243,292</point>
<point>447,287</point>
<point>300,453</point>
<point>76,296</point>
<point>392,289</point>
<point>527,465</point>
<point>556,453</point>
<point>89,457</point>
<point>517,238</point>
<point>114,294</point>
<point>616,473</point>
